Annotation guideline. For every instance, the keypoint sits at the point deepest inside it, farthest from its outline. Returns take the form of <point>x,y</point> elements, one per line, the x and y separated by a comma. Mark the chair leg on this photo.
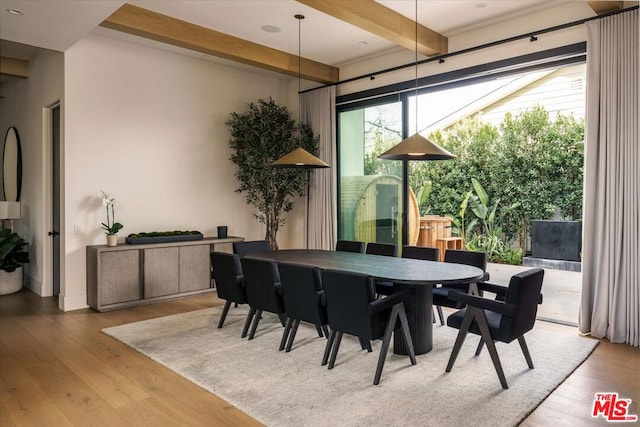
<point>319,330</point>
<point>223,316</point>
<point>292,335</point>
<point>254,325</point>
<point>327,348</point>
<point>525,351</point>
<point>283,318</point>
<point>462,334</point>
<point>491,346</point>
<point>325,329</point>
<point>480,345</point>
<point>433,317</point>
<point>440,315</point>
<point>365,344</point>
<point>407,335</point>
<point>334,351</point>
<point>385,343</point>
<point>247,322</point>
<point>285,334</point>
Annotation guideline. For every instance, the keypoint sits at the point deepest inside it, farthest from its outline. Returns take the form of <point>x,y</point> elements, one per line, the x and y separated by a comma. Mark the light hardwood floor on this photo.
<point>58,369</point>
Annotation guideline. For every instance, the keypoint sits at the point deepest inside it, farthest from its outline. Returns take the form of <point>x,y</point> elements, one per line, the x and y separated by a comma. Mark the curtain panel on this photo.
<point>318,109</point>
<point>610,303</point>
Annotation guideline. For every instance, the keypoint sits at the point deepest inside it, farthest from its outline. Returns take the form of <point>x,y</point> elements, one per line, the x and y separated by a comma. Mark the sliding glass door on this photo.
<point>370,189</point>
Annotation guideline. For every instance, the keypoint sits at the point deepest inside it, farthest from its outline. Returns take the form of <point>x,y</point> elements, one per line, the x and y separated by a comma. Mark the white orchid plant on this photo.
<point>111,227</point>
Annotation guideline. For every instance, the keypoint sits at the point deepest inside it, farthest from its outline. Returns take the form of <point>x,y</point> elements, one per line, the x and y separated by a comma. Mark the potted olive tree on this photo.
<point>260,135</point>
<point>12,256</point>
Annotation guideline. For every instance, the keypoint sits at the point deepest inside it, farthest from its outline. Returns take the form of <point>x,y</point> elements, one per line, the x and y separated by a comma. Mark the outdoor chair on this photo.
<point>511,315</point>
<point>353,309</point>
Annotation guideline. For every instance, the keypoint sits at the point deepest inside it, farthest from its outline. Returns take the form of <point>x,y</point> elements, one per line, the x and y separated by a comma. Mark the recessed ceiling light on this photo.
<point>271,29</point>
<point>363,43</point>
<point>481,5</point>
<point>15,11</point>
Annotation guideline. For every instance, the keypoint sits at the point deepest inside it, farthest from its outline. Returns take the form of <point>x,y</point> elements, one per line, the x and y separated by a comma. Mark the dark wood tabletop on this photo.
<point>403,272</point>
<point>399,270</point>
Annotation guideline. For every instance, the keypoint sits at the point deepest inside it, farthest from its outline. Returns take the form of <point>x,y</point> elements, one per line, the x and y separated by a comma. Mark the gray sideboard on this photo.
<point>129,275</point>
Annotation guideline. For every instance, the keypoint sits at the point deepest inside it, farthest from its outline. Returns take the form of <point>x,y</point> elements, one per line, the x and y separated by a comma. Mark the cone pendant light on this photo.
<point>299,158</point>
<point>415,147</point>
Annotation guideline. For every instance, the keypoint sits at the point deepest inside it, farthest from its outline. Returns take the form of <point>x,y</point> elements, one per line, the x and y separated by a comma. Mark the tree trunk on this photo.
<point>271,222</point>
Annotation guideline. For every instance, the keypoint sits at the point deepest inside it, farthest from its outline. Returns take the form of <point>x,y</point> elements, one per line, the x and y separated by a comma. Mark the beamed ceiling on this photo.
<point>334,31</point>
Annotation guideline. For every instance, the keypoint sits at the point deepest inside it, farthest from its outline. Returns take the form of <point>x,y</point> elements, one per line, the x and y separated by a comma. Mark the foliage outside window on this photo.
<point>531,163</point>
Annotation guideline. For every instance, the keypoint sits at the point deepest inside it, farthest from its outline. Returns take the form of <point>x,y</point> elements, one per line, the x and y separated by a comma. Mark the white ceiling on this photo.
<point>58,24</point>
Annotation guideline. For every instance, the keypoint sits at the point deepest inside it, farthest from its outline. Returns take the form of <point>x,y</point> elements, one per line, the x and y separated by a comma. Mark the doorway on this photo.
<point>54,226</point>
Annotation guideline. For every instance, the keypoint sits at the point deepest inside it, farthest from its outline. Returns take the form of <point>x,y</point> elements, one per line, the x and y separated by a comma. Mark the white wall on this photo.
<point>148,127</point>
<point>24,106</point>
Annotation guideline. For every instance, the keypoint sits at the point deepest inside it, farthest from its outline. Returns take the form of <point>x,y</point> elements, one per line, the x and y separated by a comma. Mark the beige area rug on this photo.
<point>292,389</point>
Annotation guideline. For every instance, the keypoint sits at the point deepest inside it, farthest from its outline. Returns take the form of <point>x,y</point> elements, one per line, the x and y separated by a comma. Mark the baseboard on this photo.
<point>72,302</point>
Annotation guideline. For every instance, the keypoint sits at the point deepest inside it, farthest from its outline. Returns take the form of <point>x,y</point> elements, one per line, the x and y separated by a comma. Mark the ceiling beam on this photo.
<point>155,26</point>
<point>601,7</point>
<point>383,22</point>
<point>14,67</point>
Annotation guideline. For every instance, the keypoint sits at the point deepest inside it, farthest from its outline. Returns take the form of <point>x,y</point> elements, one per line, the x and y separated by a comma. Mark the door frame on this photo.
<point>47,220</point>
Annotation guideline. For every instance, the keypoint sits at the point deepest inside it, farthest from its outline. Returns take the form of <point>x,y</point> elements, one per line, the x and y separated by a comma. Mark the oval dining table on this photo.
<point>419,275</point>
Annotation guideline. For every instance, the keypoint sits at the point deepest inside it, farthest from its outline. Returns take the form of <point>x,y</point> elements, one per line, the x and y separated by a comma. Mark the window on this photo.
<point>369,189</point>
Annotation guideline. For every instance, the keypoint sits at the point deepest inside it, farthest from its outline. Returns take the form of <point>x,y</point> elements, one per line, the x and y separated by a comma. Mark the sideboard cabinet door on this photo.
<point>195,268</point>
<point>120,279</point>
<point>160,272</point>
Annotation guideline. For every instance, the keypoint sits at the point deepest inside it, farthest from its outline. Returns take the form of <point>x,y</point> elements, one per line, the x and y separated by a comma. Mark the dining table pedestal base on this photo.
<point>419,315</point>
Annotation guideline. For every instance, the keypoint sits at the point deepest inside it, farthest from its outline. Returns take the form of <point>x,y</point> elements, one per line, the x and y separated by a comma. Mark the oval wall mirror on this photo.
<point>12,166</point>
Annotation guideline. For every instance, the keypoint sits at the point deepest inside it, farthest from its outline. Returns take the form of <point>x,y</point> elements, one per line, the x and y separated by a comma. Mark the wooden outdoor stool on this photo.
<point>445,243</point>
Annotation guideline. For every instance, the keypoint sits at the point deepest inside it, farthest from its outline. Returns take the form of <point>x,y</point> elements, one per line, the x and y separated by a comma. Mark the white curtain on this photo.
<point>610,303</point>
<point>318,109</point>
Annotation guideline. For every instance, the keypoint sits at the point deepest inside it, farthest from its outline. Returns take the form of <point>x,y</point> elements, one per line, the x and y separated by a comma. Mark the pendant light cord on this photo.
<point>299,18</point>
<point>416,57</point>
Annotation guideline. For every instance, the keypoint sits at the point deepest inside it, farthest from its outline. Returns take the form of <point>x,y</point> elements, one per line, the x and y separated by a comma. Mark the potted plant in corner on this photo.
<point>264,133</point>
<point>111,227</point>
<point>12,256</point>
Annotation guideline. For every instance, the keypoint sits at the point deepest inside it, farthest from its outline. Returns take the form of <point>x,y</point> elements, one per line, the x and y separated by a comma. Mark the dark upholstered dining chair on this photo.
<point>420,252</point>
<point>385,249</point>
<point>303,300</point>
<point>353,309</point>
<point>264,293</point>
<point>441,293</point>
<point>246,248</point>
<point>229,281</point>
<point>350,246</point>
<point>413,252</point>
<point>511,315</point>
